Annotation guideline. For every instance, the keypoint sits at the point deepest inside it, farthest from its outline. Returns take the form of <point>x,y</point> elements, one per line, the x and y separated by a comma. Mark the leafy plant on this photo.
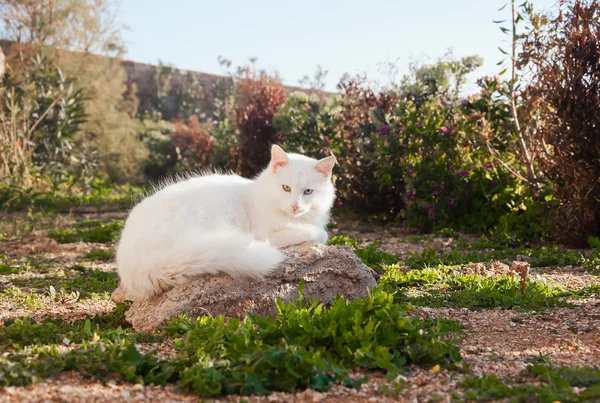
<point>89,231</point>
<point>258,96</point>
<point>102,255</point>
<point>37,123</point>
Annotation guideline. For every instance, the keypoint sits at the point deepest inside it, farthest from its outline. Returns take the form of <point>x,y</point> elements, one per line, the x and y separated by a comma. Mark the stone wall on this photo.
<point>143,76</point>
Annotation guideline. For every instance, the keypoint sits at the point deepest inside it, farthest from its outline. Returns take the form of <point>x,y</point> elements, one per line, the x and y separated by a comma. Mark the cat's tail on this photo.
<point>150,272</point>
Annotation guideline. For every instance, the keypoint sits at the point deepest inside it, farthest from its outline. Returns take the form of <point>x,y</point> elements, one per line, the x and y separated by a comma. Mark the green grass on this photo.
<point>18,297</point>
<point>540,257</point>
<point>92,283</point>
<point>16,198</point>
<point>543,256</point>
<point>101,255</point>
<point>89,231</point>
<point>25,332</point>
<point>13,266</point>
<point>371,255</point>
<point>591,291</point>
<point>89,283</point>
<point>446,286</point>
<point>551,384</point>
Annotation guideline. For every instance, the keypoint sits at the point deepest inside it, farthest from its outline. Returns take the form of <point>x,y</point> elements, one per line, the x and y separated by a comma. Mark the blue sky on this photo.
<point>293,37</point>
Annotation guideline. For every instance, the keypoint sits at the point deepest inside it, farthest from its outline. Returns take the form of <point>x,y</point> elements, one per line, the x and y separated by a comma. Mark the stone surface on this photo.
<point>327,271</point>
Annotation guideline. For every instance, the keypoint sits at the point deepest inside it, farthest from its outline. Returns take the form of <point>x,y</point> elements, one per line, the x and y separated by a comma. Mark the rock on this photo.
<point>327,271</point>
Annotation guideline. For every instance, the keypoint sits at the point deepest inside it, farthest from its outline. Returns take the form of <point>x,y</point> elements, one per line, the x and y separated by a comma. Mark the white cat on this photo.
<point>225,223</point>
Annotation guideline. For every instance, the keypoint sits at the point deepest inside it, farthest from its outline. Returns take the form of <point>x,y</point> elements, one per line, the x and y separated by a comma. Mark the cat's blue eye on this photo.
<point>308,191</point>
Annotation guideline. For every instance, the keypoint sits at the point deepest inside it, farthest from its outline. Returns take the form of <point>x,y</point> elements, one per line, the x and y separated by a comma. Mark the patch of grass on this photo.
<point>92,282</point>
<point>446,286</point>
<point>25,332</point>
<point>103,359</point>
<point>551,384</point>
<point>16,198</point>
<point>89,231</point>
<point>541,257</point>
<point>591,291</point>
<point>306,346</point>
<point>12,266</point>
<point>371,255</point>
<point>17,297</point>
<point>101,255</point>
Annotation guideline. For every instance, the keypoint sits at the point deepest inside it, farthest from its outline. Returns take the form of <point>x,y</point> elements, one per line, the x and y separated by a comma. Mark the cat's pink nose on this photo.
<point>295,207</point>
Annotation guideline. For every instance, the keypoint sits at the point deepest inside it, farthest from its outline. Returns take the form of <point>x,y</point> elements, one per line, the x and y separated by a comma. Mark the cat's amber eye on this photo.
<point>286,188</point>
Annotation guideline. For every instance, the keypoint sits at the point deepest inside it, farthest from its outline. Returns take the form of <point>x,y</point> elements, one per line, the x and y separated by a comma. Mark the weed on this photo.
<point>93,282</point>
<point>445,286</point>
<point>89,231</point>
<point>11,266</point>
<point>370,255</point>
<point>553,384</point>
<point>101,255</point>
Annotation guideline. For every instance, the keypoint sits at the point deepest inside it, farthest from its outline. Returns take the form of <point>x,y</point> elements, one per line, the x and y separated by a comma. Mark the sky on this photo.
<point>294,37</point>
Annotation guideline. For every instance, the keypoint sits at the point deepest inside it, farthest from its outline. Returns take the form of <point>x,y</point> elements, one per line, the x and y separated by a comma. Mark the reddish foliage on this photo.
<point>258,99</point>
<point>191,144</point>
<point>566,60</point>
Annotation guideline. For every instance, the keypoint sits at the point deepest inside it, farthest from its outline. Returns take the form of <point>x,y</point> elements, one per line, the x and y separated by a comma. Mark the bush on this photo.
<point>414,153</point>
<point>566,96</point>
<point>258,98</point>
<point>38,121</point>
<point>308,123</point>
<point>451,181</point>
<point>191,145</point>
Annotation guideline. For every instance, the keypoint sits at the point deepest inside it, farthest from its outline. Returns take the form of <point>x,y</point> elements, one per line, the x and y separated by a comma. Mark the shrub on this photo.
<point>358,152</point>
<point>41,115</point>
<point>308,123</point>
<point>191,145</point>
<point>177,146</point>
<point>566,96</point>
<point>451,181</point>
<point>156,135</point>
<point>258,98</point>
<point>415,153</point>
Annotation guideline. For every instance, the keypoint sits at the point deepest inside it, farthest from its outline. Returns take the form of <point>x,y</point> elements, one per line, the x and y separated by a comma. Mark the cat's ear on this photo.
<point>325,166</point>
<point>279,158</point>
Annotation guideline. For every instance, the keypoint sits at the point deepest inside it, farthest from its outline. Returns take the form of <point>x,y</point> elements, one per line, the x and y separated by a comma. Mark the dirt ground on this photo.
<point>496,341</point>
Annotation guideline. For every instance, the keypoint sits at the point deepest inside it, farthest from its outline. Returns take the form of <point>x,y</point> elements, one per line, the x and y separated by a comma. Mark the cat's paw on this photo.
<point>320,236</point>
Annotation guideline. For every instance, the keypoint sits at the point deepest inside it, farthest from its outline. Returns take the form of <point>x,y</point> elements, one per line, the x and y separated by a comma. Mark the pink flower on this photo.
<point>444,130</point>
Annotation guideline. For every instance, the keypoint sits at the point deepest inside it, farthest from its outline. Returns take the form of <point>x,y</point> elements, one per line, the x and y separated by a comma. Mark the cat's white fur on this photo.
<point>224,223</point>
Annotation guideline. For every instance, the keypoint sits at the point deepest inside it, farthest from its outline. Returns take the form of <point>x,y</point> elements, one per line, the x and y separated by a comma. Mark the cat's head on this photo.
<point>300,184</point>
